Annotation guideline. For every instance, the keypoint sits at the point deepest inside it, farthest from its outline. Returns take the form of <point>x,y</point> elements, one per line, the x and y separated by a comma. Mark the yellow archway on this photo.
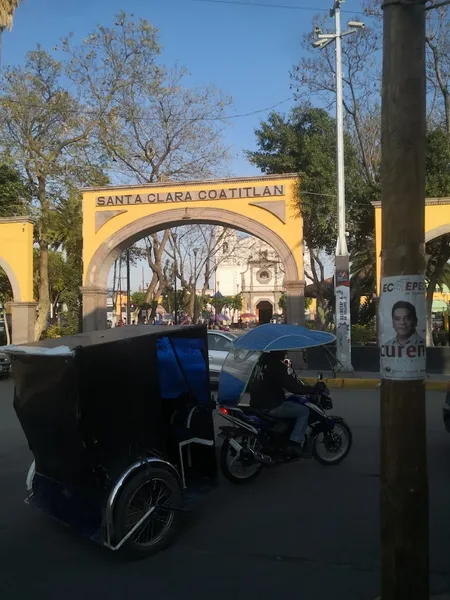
<point>16,259</point>
<point>115,217</point>
<point>437,223</point>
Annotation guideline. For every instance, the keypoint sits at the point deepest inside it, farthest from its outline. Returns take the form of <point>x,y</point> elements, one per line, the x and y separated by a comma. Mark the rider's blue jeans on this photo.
<point>292,410</point>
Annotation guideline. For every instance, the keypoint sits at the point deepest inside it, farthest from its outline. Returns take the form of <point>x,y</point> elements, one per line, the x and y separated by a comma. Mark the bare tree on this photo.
<point>46,129</point>
<point>314,76</point>
<point>438,65</point>
<point>166,130</point>
<point>196,249</point>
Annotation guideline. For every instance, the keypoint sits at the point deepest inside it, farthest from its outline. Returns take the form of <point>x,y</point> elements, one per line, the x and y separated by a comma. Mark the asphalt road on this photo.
<point>299,531</point>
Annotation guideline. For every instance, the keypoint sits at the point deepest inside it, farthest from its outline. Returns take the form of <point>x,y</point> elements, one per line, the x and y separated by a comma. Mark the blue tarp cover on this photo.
<point>182,368</point>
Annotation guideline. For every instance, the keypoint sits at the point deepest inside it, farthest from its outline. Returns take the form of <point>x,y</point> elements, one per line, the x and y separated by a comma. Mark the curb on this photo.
<point>371,384</point>
<point>444,596</point>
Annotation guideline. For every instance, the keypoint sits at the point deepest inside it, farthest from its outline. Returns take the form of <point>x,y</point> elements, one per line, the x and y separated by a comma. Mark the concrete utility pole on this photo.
<point>342,259</point>
<point>404,479</point>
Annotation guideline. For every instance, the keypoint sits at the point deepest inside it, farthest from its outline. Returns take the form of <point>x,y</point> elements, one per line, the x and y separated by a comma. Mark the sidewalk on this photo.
<point>366,380</point>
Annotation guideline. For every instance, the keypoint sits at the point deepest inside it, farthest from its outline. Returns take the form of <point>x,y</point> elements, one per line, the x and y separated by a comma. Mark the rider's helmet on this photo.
<point>278,355</point>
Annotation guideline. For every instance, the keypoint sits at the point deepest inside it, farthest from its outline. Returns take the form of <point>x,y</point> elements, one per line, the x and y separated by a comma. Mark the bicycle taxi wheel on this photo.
<point>147,513</point>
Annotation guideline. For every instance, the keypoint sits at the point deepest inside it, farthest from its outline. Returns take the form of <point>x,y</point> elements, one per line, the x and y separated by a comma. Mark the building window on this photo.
<point>264,276</point>
<point>225,247</point>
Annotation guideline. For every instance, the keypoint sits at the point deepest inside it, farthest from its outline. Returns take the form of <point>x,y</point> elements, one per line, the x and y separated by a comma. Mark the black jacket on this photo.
<point>271,381</point>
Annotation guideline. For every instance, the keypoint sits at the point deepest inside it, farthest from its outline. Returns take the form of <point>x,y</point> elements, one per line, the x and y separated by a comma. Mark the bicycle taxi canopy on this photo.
<point>247,349</point>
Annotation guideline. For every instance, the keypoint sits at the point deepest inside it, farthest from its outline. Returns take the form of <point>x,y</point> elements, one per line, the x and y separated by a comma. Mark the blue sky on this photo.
<point>247,51</point>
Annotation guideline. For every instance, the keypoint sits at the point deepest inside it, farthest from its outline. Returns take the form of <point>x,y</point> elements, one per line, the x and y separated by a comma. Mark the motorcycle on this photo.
<point>253,440</point>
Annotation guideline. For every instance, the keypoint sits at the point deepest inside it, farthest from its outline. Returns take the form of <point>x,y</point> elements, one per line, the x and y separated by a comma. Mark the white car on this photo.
<point>219,344</point>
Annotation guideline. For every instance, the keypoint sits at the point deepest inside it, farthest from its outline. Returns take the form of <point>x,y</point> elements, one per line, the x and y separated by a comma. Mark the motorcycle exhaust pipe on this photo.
<point>257,456</point>
<point>263,459</point>
<point>235,445</point>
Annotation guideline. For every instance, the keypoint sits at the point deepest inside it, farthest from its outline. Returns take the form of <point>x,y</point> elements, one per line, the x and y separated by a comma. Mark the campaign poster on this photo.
<point>402,327</point>
<point>343,318</point>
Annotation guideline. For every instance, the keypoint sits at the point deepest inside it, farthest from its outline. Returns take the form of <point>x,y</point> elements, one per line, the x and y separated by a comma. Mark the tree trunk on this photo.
<point>43,289</point>
<point>153,311</point>
<point>430,293</point>
<point>44,296</point>
<point>318,279</point>
<point>149,294</point>
<point>191,308</point>
<point>197,306</point>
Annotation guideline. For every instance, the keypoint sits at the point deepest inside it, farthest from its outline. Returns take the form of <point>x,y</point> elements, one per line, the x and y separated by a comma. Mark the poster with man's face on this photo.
<point>402,330</point>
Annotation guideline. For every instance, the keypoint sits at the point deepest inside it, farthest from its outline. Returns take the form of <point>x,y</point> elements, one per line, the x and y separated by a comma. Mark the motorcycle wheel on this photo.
<point>250,469</point>
<point>335,447</point>
<point>151,487</point>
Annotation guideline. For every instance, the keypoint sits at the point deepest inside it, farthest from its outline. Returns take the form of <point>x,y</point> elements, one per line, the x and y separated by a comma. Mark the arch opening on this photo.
<point>103,259</point>
<point>437,232</point>
<point>6,296</point>
<point>11,279</point>
<point>97,271</point>
<point>264,310</point>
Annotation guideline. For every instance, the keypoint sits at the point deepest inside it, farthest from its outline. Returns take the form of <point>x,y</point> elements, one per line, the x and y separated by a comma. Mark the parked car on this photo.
<point>5,365</point>
<point>219,344</point>
<point>446,410</point>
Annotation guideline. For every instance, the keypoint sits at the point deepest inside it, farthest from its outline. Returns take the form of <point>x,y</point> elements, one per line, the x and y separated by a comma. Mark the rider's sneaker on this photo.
<point>299,450</point>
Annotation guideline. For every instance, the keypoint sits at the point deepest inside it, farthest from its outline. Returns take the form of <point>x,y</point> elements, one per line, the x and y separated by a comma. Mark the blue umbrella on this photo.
<point>272,337</point>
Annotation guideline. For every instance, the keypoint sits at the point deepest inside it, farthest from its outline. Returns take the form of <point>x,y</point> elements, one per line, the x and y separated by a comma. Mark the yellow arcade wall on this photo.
<point>16,256</point>
<point>437,223</point>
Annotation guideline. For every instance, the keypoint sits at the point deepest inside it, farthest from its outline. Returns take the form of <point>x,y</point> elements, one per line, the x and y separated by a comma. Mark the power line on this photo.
<point>282,6</point>
<point>193,120</point>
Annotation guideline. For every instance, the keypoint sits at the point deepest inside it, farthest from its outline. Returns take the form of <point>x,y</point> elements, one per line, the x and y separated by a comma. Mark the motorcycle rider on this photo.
<point>268,394</point>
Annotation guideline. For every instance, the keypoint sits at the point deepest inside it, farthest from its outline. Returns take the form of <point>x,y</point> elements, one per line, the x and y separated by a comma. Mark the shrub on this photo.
<point>57,331</point>
<point>363,333</point>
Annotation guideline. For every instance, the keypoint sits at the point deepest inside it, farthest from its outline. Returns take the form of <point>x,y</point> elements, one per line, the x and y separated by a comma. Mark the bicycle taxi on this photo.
<point>120,423</point>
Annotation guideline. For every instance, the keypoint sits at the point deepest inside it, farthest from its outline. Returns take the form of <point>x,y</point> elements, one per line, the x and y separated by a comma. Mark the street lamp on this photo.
<point>342,259</point>
<point>216,289</point>
<point>175,303</point>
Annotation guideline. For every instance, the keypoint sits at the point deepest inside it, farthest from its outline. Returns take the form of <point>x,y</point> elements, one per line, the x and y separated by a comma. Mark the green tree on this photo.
<point>138,299</point>
<point>14,194</point>
<point>64,276</point>
<point>168,300</point>
<point>305,142</point>
<point>437,185</point>
<point>236,302</point>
